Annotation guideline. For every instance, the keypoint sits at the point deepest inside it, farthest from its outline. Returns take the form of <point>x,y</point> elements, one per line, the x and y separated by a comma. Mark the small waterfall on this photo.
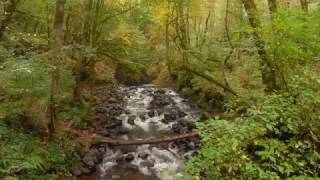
<point>151,112</point>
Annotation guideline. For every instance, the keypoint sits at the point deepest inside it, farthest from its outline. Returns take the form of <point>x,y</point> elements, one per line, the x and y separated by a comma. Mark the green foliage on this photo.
<point>305,87</point>
<point>80,114</point>
<point>131,73</point>
<point>293,39</point>
<point>296,37</point>
<point>26,85</point>
<point>275,139</point>
<point>23,156</point>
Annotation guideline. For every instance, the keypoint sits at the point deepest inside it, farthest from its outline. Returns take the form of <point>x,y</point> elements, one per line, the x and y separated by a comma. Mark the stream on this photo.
<point>150,113</point>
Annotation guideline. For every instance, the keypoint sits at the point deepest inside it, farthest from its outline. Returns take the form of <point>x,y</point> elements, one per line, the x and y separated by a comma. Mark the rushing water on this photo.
<point>150,113</point>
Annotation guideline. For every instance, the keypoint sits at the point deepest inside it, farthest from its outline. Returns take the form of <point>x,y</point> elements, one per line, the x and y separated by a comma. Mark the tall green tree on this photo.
<point>268,72</point>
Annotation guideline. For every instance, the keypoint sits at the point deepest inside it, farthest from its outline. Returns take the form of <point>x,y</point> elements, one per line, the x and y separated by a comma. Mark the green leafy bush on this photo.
<point>276,139</point>
<point>130,73</point>
<point>295,37</point>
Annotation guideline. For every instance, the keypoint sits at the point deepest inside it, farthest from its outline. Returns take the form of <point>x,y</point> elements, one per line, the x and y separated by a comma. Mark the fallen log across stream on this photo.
<point>114,142</point>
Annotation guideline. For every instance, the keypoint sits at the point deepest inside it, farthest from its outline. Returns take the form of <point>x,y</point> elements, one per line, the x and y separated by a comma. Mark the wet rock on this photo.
<point>143,155</point>
<point>127,112</point>
<point>129,157</point>
<point>169,116</point>
<point>123,131</point>
<point>198,144</point>
<point>151,113</point>
<point>89,161</point>
<point>98,156</point>
<point>195,153</point>
<point>131,167</point>
<point>191,146</point>
<point>147,164</point>
<point>161,91</point>
<point>160,111</point>
<point>99,117</point>
<point>102,148</point>
<point>101,110</point>
<point>118,122</point>
<point>173,146</point>
<point>115,123</point>
<point>187,157</point>
<point>183,127</point>
<point>147,91</point>
<point>191,125</point>
<point>176,128</point>
<point>160,100</point>
<point>182,114</point>
<point>142,117</point>
<point>114,111</point>
<point>84,171</point>
<point>131,120</point>
<point>120,160</point>
<point>165,121</point>
<point>182,144</point>
<point>112,100</point>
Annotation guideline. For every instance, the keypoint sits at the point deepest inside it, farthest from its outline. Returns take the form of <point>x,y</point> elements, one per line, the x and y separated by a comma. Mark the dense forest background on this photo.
<point>253,65</point>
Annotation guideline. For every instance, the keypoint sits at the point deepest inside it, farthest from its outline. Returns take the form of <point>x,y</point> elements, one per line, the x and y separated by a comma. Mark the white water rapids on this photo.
<point>150,113</point>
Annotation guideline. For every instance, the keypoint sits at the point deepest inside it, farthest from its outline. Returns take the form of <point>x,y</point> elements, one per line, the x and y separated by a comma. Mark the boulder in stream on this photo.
<point>129,157</point>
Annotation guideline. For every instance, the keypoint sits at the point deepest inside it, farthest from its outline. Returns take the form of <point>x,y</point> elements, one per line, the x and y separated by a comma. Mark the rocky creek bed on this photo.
<point>140,113</point>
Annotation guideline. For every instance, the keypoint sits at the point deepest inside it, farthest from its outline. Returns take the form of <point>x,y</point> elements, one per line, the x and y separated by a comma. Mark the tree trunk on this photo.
<point>56,44</point>
<point>227,32</point>
<point>304,5</point>
<point>9,13</point>
<point>273,7</point>
<point>268,73</point>
<point>168,62</point>
<point>212,80</point>
<point>182,31</point>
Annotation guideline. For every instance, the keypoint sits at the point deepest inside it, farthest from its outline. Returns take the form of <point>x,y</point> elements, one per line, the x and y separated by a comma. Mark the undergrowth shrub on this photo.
<point>25,83</point>
<point>131,73</point>
<point>275,139</point>
<point>24,157</point>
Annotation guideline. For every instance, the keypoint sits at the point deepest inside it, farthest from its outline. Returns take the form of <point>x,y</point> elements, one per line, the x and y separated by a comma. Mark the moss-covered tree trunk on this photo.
<point>273,7</point>
<point>182,30</point>
<point>268,73</point>
<point>8,16</point>
<point>304,5</point>
<point>56,58</point>
<point>168,62</point>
